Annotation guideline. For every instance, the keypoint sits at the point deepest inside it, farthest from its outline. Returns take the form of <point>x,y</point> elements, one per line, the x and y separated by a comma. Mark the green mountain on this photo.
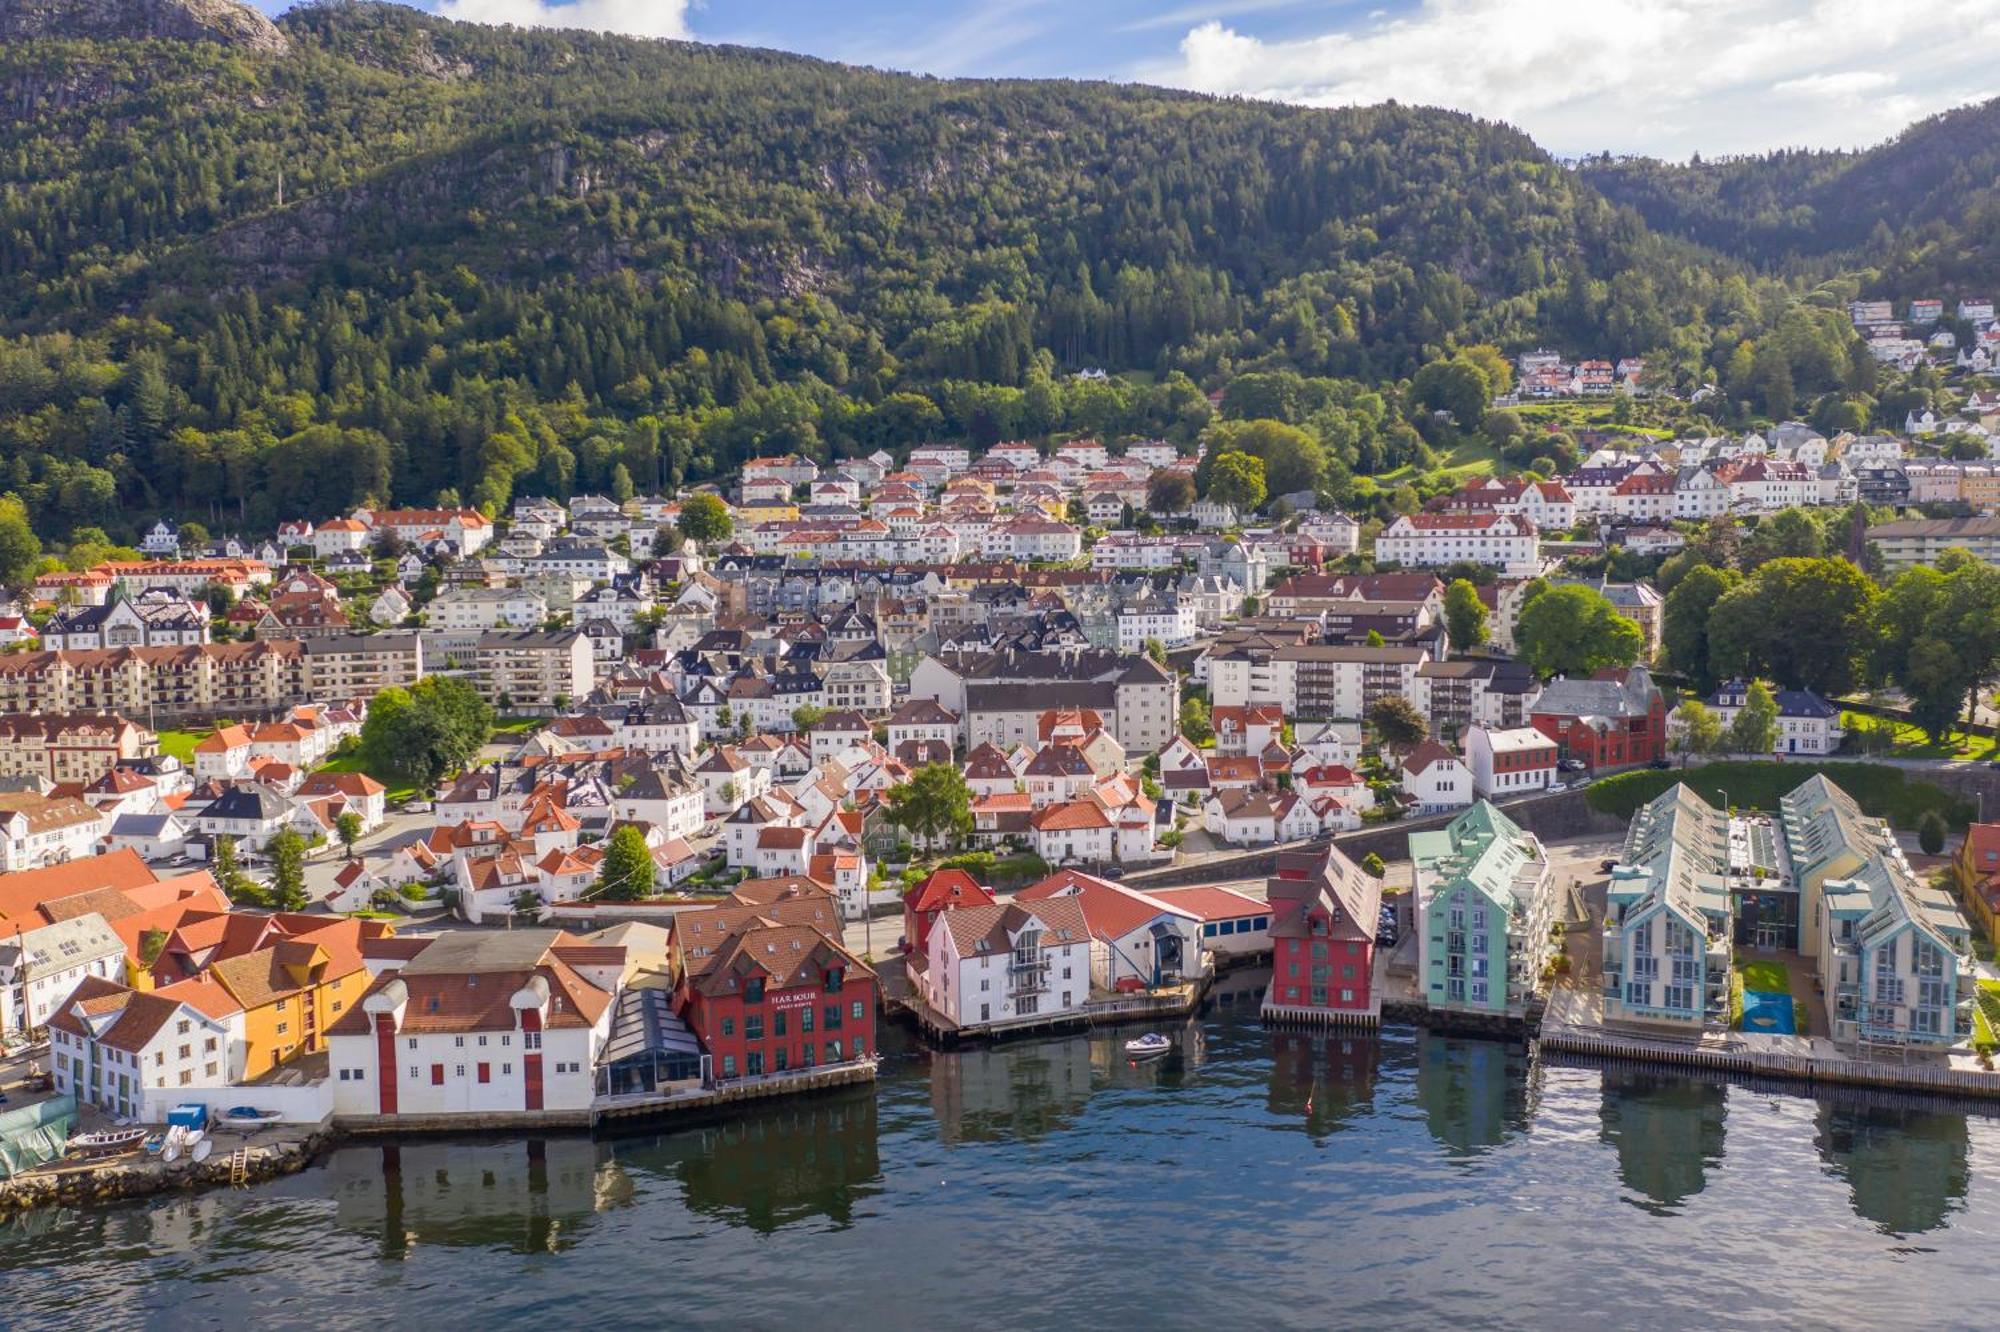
<point>1919,210</point>
<point>250,270</point>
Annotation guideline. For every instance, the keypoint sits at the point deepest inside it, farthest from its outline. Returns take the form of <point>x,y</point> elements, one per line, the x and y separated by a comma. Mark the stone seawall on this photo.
<point>90,1183</point>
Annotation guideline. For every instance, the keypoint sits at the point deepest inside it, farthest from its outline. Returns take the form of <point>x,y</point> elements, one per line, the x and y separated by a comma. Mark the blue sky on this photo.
<point>1665,77</point>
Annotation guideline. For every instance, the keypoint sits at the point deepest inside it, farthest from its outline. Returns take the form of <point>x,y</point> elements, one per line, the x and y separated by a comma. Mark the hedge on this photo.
<point>1884,792</point>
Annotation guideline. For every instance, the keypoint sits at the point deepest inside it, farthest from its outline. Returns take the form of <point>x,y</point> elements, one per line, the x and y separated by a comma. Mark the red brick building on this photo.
<point>1324,914</point>
<point>1615,719</point>
<point>764,993</point>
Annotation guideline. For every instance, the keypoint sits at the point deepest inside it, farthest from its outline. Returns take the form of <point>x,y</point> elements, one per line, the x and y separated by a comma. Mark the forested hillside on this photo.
<point>369,254</point>
<point>1917,213</point>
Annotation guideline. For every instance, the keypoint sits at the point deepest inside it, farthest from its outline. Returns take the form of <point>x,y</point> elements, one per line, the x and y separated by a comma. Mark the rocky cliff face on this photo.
<point>180,20</point>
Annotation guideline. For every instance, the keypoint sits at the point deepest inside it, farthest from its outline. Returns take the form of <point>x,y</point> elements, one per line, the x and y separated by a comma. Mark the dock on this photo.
<point>1570,1027</point>
<point>1103,1011</point>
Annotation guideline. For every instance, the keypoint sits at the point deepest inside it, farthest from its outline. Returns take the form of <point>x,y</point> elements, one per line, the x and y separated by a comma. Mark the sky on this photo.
<point>1666,78</point>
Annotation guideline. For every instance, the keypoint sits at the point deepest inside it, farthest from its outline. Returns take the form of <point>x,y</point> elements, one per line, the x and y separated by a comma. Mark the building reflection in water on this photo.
<point>1473,1092</point>
<point>1324,1078</point>
<point>1905,1165</point>
<point>814,1158</point>
<point>528,1196</point>
<point>1023,1089</point>
<point>1667,1131</point>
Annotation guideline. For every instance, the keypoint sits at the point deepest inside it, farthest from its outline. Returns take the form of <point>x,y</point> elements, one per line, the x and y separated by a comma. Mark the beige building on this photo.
<point>534,672</point>
<point>69,748</point>
<point>362,665</point>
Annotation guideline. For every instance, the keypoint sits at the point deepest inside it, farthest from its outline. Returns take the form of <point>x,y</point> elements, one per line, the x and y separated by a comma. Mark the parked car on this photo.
<point>1572,765</point>
<point>1662,763</point>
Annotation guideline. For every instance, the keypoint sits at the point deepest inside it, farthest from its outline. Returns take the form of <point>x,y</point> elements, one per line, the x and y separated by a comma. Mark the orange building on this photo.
<point>292,990</point>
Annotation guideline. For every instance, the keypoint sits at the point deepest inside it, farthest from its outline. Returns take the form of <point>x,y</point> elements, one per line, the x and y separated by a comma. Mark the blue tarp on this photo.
<point>1767,1013</point>
<point>193,1115</point>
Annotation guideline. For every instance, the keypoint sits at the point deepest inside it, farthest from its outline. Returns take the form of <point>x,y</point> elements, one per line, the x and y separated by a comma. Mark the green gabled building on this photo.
<point>1484,907</point>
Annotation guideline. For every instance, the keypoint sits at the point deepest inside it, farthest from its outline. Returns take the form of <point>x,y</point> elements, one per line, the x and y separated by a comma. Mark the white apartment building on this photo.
<point>40,968</point>
<point>1510,762</point>
<point>991,967</point>
<point>485,608</point>
<point>1508,542</point>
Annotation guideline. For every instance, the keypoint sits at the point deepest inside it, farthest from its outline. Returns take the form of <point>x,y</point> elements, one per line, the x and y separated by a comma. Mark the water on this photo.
<point>1289,1180</point>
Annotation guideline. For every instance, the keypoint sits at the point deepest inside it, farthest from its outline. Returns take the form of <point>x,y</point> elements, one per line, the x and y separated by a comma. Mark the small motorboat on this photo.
<point>247,1114</point>
<point>1145,1047</point>
<point>111,1140</point>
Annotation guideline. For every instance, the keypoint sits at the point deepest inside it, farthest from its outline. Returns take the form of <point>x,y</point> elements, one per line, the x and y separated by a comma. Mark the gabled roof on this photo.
<point>948,890</point>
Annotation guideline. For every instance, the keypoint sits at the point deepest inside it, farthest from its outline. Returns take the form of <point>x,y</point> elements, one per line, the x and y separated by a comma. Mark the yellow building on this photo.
<point>749,515</point>
<point>292,991</point>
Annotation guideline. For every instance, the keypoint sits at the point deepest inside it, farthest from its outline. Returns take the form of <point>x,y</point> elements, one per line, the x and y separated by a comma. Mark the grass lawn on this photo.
<point>352,763</point>
<point>514,728</point>
<point>1766,976</point>
<point>180,744</point>
<point>1467,459</point>
<point>1986,1017</point>
<point>1904,740</point>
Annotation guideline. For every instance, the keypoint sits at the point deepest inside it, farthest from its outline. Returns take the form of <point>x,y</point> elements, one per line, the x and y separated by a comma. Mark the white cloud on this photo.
<point>634,18</point>
<point>1667,77</point>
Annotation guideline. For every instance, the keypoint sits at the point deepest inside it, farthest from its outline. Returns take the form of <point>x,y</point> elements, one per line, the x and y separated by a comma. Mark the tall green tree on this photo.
<point>427,732</point>
<point>1464,615</point>
<point>288,871</point>
<point>1935,634</point>
<point>1699,731</point>
<point>1755,727</point>
<point>20,548</point>
<point>1573,629</point>
<point>626,872</point>
<point>1396,722</point>
<point>1169,492</point>
<point>1684,621</point>
<point>348,828</point>
<point>1238,481</point>
<point>704,520</point>
<point>935,805</point>
<point>1801,623</point>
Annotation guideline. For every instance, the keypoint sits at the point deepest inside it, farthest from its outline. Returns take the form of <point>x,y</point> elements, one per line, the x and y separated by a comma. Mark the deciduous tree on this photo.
<point>1574,630</point>
<point>1464,615</point>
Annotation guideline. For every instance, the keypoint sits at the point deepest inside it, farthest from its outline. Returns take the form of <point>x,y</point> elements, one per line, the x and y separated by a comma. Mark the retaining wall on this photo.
<point>1557,817</point>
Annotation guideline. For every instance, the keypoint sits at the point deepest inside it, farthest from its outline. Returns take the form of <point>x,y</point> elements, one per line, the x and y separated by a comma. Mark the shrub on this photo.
<point>1930,833</point>
<point>1881,791</point>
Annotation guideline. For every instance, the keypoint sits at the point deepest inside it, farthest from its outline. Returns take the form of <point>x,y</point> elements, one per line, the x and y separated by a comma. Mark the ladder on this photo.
<point>239,1166</point>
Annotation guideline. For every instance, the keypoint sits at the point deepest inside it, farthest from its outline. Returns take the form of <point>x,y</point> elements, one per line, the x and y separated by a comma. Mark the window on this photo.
<point>531,1040</point>
<point>806,1020</point>
<point>416,1072</point>
<point>833,1055</point>
<point>856,1014</point>
<point>729,1066</point>
<point>413,1042</point>
<point>833,1017</point>
<point>284,1027</point>
<point>753,990</point>
<point>729,1026</point>
<point>753,1063</point>
<point>482,1040</point>
<point>753,1027</point>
